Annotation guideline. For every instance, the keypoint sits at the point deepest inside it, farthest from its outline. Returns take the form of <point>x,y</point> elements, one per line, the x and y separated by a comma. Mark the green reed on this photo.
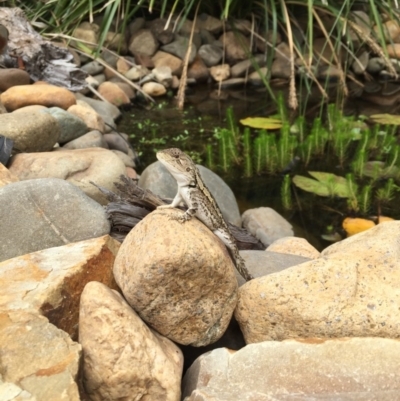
<point>286,192</point>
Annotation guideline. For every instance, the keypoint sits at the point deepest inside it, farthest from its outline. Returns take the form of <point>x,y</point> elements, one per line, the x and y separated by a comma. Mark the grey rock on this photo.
<point>266,224</point>
<point>207,38</point>
<point>105,109</point>
<point>179,48</point>
<point>143,42</point>
<point>93,67</point>
<point>360,64</point>
<point>110,58</point>
<point>93,139</point>
<point>375,65</point>
<point>156,178</point>
<point>262,263</point>
<point>163,75</point>
<point>45,213</point>
<point>247,66</point>
<point>256,77</point>
<point>211,54</point>
<point>71,126</point>
<point>280,68</point>
<point>209,23</point>
<point>232,83</point>
<point>31,132</point>
<point>100,78</point>
<point>115,142</point>
<point>164,36</point>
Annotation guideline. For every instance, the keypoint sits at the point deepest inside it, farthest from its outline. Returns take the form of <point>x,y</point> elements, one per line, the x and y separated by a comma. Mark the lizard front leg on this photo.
<point>175,202</point>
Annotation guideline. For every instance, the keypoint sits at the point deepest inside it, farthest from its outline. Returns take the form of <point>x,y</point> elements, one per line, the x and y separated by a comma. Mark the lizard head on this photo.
<point>179,164</point>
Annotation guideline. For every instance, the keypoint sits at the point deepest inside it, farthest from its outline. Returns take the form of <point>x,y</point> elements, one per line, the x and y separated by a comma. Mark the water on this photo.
<point>164,126</point>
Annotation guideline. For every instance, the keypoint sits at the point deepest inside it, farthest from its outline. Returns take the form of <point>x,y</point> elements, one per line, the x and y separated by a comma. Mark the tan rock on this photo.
<point>55,291</point>
<point>77,166</point>
<point>116,41</point>
<point>131,173</point>
<point>393,50</point>
<point>6,177</point>
<point>391,31</point>
<point>352,290</point>
<point>88,34</point>
<point>237,46</point>
<point>90,117</point>
<point>143,42</point>
<point>123,358</point>
<point>45,95</point>
<point>38,357</point>
<point>294,246</point>
<point>129,91</point>
<point>220,72</point>
<point>123,65</point>
<point>198,70</point>
<point>29,109</point>
<point>113,94</point>
<point>353,369</point>
<point>161,59</point>
<point>164,266</point>
<point>47,282</point>
<point>30,131</point>
<point>154,89</point>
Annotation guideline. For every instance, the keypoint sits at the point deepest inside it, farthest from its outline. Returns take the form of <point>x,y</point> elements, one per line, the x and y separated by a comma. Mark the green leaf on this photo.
<point>386,119</point>
<point>376,169</point>
<point>262,122</point>
<point>326,184</point>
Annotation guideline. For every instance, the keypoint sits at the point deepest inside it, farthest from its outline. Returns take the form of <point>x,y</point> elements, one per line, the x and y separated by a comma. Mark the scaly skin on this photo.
<point>194,193</point>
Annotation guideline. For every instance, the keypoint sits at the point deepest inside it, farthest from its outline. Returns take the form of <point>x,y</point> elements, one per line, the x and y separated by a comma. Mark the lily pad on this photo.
<point>387,119</point>
<point>326,184</point>
<point>376,169</point>
<point>262,122</point>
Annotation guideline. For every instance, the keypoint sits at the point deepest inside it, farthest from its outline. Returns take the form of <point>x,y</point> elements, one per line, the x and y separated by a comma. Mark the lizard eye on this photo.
<point>188,169</point>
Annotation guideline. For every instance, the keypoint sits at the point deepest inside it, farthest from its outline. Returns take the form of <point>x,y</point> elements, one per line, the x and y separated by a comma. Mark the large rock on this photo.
<point>123,358</point>
<point>161,59</point>
<point>39,214</point>
<point>143,42</point>
<point>113,94</point>
<point>157,178</point>
<point>31,132</point>
<point>351,369</point>
<point>48,283</point>
<point>77,166</point>
<point>179,48</point>
<point>352,290</point>
<point>71,126</point>
<point>237,46</point>
<point>89,116</point>
<point>45,95</point>
<point>164,266</point>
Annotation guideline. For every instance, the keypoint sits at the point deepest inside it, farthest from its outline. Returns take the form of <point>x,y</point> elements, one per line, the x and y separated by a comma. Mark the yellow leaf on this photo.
<point>262,122</point>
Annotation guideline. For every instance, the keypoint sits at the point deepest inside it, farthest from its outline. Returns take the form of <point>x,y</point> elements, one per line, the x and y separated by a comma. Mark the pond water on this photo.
<point>196,130</point>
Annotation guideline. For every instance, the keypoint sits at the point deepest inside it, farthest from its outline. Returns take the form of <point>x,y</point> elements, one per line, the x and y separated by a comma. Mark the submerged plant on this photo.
<point>286,193</point>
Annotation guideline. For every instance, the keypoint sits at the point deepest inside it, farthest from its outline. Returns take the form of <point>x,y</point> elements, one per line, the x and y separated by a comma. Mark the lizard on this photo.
<point>199,200</point>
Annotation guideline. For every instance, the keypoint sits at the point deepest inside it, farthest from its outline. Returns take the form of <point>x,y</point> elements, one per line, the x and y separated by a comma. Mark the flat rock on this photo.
<point>71,126</point>
<point>45,213</point>
<point>157,178</point>
<point>351,369</point>
<point>77,166</point>
<point>122,356</point>
<point>45,95</point>
<point>266,224</point>
<point>93,68</point>
<point>31,132</point>
<point>166,286</point>
<point>247,66</point>
<point>352,290</point>
<point>93,139</point>
<point>10,77</point>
